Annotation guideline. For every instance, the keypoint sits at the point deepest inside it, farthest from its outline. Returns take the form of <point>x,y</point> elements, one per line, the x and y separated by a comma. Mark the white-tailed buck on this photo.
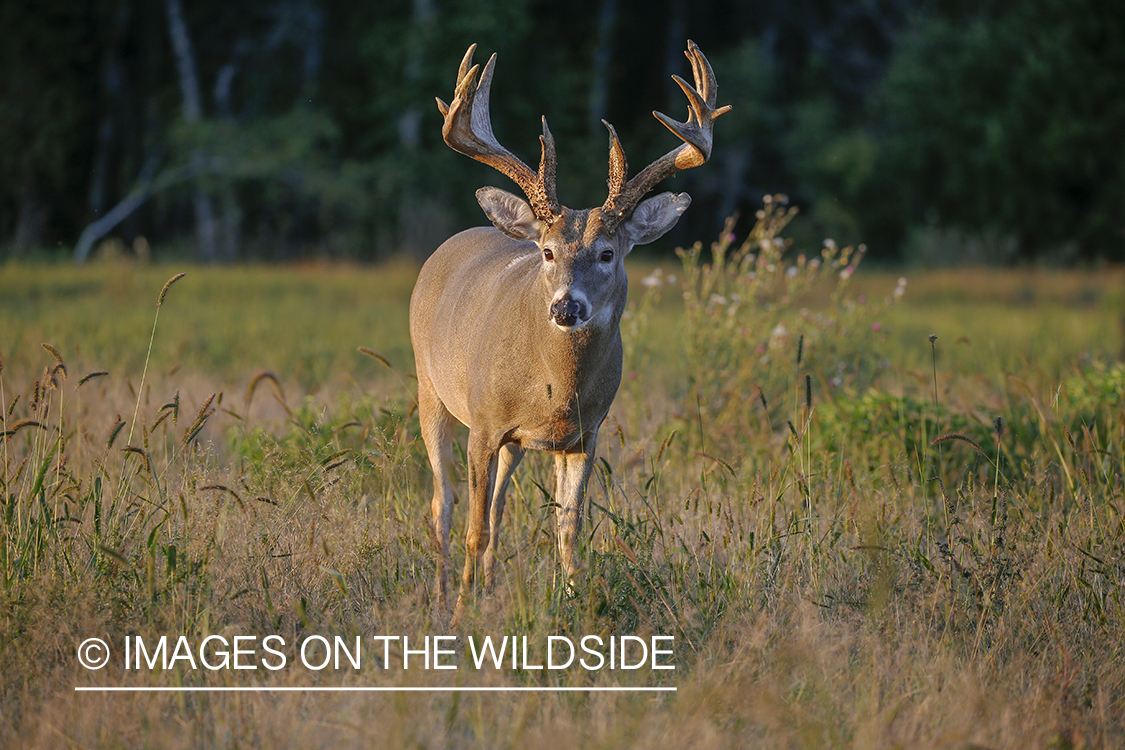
<point>516,329</point>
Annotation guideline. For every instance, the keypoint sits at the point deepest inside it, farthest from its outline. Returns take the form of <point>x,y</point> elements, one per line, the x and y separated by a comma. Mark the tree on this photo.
<point>1011,123</point>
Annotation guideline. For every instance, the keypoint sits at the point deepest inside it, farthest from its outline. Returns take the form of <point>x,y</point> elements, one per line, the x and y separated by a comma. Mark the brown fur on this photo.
<point>516,329</point>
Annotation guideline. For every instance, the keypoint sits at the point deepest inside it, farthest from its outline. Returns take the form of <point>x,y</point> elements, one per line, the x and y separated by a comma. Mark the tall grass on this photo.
<point>769,493</point>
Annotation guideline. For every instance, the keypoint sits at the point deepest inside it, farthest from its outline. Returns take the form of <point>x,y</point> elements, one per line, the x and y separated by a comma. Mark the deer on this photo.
<point>516,326</point>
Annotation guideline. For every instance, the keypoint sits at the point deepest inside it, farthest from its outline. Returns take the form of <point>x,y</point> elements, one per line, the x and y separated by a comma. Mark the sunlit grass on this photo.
<point>305,323</point>
<point>773,503</point>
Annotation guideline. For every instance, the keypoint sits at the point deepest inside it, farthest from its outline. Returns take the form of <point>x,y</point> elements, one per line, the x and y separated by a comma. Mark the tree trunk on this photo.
<point>422,14</point>
<point>603,61</point>
<point>205,229</point>
<point>29,223</point>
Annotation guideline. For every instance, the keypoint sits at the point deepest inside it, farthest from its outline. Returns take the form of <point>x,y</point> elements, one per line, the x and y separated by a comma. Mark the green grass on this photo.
<point>303,323</point>
<point>769,496</point>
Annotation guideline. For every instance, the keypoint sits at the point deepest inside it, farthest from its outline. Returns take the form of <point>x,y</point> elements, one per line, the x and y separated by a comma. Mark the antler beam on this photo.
<point>468,130</point>
<point>695,150</point>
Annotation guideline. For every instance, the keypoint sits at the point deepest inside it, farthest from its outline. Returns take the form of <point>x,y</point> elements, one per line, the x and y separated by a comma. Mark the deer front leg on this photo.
<point>572,473</point>
<point>483,459</point>
<point>510,457</point>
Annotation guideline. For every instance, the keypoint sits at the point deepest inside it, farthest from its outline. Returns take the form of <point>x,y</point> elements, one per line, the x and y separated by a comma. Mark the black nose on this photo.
<point>567,311</point>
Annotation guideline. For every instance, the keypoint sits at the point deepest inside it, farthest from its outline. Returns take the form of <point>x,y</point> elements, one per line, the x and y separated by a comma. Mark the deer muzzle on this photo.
<point>569,313</point>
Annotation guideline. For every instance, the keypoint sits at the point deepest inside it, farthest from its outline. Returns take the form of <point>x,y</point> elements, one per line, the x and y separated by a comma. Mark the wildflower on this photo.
<point>876,327</point>
<point>791,271</point>
<point>847,272</point>
<point>900,289</point>
<point>778,335</point>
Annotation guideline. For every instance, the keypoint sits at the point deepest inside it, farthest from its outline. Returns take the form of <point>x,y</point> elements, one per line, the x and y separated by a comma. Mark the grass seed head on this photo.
<point>268,376</point>
<point>114,432</point>
<point>54,352</point>
<point>168,285</point>
<point>957,436</point>
<point>90,376</point>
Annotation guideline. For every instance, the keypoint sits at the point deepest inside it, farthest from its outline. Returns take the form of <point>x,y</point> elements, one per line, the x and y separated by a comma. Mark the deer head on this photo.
<point>589,243</point>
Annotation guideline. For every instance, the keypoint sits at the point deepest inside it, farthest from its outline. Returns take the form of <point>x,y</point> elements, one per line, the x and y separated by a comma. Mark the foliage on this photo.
<point>757,320</point>
<point>1025,99</point>
<point>935,131</point>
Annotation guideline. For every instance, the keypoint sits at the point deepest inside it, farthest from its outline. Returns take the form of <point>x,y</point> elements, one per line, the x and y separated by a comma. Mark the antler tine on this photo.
<point>618,164</point>
<point>468,130</point>
<point>696,134</point>
<point>548,166</point>
<point>466,61</point>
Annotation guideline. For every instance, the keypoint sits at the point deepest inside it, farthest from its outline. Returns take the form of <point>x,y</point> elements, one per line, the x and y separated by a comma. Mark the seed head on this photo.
<point>168,285</point>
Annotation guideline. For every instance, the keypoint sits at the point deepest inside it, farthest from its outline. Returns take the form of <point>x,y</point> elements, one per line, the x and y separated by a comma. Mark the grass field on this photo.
<point>856,535</point>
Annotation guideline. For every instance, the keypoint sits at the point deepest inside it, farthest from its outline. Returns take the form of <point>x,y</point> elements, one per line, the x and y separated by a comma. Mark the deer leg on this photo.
<point>483,460</point>
<point>509,459</point>
<point>572,474</point>
<point>437,434</point>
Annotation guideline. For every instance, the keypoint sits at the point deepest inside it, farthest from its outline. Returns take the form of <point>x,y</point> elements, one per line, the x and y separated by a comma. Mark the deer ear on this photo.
<point>510,214</point>
<point>655,216</point>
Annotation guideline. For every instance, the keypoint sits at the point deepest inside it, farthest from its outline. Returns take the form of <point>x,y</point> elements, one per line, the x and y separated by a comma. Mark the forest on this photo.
<point>937,132</point>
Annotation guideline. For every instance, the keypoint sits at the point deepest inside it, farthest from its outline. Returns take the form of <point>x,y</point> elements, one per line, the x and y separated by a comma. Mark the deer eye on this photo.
<point>607,256</point>
<point>548,254</point>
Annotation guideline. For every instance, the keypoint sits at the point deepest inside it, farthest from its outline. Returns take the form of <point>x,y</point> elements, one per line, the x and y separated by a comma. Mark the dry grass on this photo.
<point>783,519</point>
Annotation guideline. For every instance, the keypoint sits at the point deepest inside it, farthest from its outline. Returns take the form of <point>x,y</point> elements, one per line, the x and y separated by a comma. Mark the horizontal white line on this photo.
<point>325,689</point>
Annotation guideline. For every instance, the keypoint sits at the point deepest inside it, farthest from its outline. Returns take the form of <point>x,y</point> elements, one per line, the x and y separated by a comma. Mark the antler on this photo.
<point>468,130</point>
<point>696,149</point>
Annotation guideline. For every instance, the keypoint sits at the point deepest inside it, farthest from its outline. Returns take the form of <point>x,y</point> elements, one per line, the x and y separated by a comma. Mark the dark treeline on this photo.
<point>932,130</point>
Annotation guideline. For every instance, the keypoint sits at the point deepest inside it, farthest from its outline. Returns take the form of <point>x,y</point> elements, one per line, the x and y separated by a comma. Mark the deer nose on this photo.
<point>568,312</point>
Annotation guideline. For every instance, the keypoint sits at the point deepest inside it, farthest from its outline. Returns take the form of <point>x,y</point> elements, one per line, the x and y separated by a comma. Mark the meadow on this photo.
<point>871,507</point>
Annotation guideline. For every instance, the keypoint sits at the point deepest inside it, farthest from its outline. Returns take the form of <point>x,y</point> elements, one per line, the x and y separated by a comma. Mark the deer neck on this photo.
<point>577,365</point>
